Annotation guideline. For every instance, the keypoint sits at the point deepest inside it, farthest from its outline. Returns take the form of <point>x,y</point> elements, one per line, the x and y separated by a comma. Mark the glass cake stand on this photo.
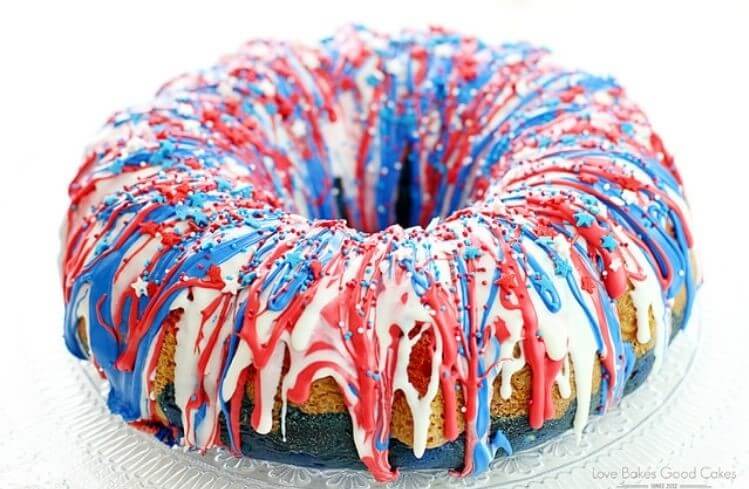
<point>69,439</point>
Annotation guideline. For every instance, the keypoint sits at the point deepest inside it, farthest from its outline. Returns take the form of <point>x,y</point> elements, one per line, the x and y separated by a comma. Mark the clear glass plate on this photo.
<point>94,448</point>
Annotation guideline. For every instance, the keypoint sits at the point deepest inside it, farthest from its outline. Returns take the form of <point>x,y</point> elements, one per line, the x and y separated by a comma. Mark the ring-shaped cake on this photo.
<point>410,251</point>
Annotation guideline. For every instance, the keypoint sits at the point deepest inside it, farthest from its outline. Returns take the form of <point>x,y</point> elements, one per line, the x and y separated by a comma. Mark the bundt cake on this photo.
<point>385,252</point>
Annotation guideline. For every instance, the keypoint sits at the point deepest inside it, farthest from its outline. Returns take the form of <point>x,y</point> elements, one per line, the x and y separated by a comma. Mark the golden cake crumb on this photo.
<point>325,395</point>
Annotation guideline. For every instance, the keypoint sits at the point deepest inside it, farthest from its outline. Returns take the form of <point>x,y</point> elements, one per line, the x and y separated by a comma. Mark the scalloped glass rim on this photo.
<point>136,459</point>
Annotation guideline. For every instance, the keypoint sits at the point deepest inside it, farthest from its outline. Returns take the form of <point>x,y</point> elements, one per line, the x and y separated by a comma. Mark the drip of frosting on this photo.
<point>312,212</point>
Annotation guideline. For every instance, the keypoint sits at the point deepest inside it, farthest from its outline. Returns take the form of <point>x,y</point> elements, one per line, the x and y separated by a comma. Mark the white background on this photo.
<point>64,67</point>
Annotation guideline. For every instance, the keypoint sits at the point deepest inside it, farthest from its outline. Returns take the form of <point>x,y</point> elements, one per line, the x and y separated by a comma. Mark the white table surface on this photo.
<point>66,66</point>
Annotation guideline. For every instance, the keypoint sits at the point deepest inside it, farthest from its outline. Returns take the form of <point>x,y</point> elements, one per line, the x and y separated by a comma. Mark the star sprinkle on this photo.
<point>471,253</point>
<point>562,267</point>
<point>231,286</point>
<point>587,284</point>
<point>140,287</point>
<point>608,243</point>
<point>583,219</point>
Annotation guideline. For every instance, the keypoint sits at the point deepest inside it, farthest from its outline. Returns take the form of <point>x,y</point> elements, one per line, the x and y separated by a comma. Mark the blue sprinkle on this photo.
<point>608,243</point>
<point>561,267</point>
<point>372,80</point>
<point>471,253</point>
<point>223,185</point>
<point>627,128</point>
<point>583,219</point>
